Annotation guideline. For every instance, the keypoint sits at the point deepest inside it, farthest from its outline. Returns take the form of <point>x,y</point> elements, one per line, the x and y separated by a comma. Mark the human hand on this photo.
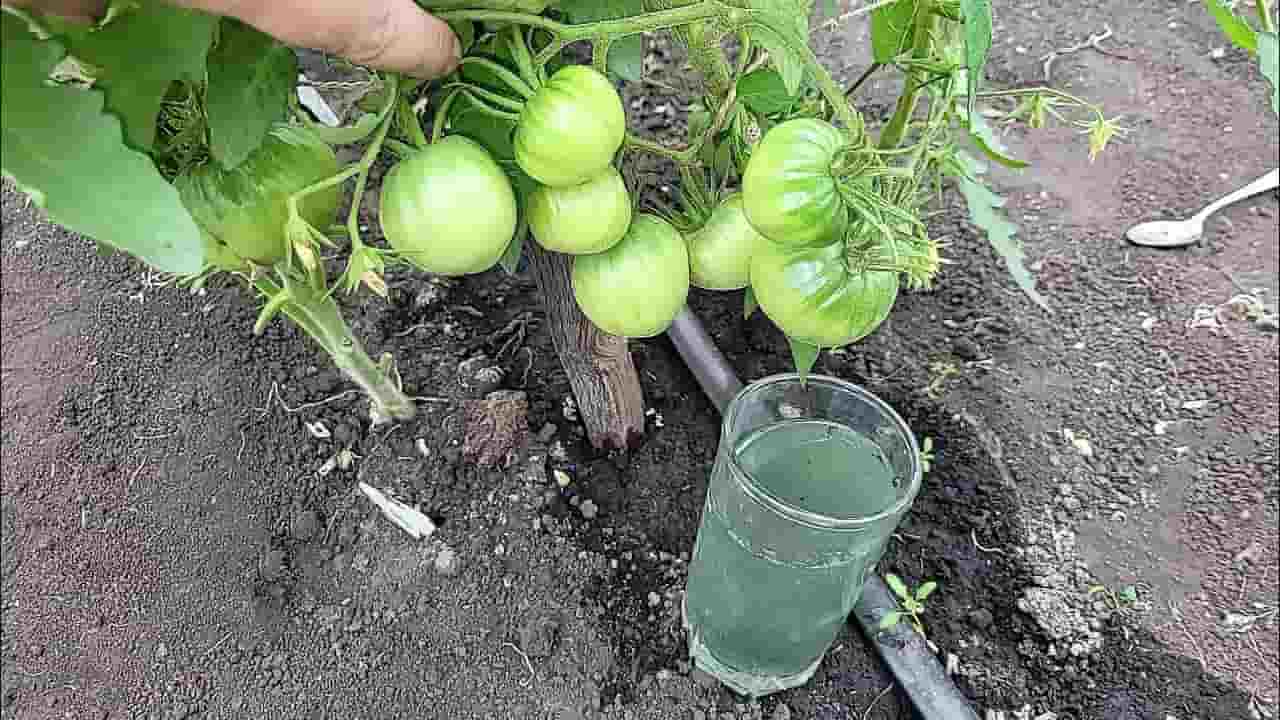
<point>394,35</point>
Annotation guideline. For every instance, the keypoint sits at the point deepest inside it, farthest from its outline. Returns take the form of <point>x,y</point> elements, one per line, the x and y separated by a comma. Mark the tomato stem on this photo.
<point>319,316</point>
<point>488,109</point>
<point>441,117</point>
<point>1264,14</point>
<point>925,22</point>
<point>511,79</point>
<point>495,99</point>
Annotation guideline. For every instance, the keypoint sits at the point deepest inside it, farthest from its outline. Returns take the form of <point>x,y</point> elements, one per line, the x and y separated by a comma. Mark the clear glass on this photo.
<point>809,483</point>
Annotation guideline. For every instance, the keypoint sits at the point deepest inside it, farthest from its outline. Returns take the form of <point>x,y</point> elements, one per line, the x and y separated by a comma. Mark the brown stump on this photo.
<point>600,370</point>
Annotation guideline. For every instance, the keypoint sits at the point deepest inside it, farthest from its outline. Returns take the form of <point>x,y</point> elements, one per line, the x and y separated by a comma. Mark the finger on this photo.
<point>394,35</point>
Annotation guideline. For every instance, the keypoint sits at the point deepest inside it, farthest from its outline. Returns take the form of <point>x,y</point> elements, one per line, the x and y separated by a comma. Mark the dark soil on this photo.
<point>178,542</point>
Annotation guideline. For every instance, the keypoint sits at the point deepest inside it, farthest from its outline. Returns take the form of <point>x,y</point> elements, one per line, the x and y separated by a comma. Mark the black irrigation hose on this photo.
<point>907,655</point>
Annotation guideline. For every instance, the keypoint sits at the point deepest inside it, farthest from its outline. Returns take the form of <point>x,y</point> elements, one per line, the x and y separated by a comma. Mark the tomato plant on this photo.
<point>192,152</point>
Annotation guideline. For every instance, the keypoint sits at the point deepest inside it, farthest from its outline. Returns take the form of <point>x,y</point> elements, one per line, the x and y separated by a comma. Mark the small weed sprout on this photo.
<point>913,604</point>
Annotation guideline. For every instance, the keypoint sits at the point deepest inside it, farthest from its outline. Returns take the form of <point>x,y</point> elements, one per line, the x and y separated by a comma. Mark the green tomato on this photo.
<point>581,219</point>
<point>570,130</point>
<point>635,288</point>
<point>449,208</point>
<point>720,251</point>
<point>245,209</point>
<point>813,296</point>
<point>789,191</point>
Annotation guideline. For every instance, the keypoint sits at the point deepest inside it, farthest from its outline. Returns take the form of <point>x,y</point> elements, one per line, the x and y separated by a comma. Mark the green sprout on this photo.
<point>913,604</point>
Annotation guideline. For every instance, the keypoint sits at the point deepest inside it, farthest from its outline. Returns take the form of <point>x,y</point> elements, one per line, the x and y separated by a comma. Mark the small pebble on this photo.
<point>447,562</point>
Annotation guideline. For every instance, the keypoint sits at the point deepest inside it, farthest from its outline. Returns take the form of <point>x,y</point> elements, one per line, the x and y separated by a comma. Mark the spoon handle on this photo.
<point>1262,184</point>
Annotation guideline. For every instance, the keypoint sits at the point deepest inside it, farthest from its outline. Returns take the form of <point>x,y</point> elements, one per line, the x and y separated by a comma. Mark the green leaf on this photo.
<point>924,591</point>
<point>977,42</point>
<point>138,55</point>
<point>69,155</point>
<point>989,143</point>
<point>890,620</point>
<point>495,134</point>
<point>778,39</point>
<point>1235,27</point>
<point>250,79</point>
<point>749,304</point>
<point>892,30</point>
<point>984,212</point>
<point>805,357</point>
<point>764,92</point>
<point>1269,62</point>
<point>626,55</point>
<point>1129,594</point>
<point>898,587</point>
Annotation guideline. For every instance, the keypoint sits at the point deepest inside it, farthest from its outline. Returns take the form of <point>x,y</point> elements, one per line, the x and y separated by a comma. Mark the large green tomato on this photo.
<point>245,209</point>
<point>635,288</point>
<point>581,219</point>
<point>449,208</point>
<point>788,188</point>
<point>720,251</point>
<point>813,296</point>
<point>570,130</point>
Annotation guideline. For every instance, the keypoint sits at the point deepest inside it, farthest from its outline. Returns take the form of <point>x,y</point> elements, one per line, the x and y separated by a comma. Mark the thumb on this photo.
<point>394,35</point>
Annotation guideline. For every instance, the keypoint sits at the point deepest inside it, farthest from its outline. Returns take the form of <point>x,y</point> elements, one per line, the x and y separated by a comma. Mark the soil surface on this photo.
<point>183,535</point>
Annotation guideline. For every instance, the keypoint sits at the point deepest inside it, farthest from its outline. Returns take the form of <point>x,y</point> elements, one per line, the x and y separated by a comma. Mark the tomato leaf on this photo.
<point>764,92</point>
<point>977,42</point>
<point>495,134</point>
<point>892,30</point>
<point>805,356</point>
<point>778,39</point>
<point>250,79</point>
<point>626,54</point>
<point>984,212</point>
<point>989,143</point>
<point>749,304</point>
<point>898,587</point>
<point>890,620</point>
<point>1269,62</point>
<point>137,57</point>
<point>69,155</point>
<point>924,591</point>
<point>1235,27</point>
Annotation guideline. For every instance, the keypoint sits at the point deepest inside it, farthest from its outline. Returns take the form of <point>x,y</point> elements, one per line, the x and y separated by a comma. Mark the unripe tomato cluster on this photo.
<point>631,272</point>
<point>802,275</point>
<point>450,208</point>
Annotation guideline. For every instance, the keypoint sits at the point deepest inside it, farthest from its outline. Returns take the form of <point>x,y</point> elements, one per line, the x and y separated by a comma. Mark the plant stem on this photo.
<point>682,157</point>
<point>925,21</point>
<point>319,316</point>
<point>511,79</point>
<point>863,78</point>
<point>366,164</point>
<point>1264,14</point>
<point>829,89</point>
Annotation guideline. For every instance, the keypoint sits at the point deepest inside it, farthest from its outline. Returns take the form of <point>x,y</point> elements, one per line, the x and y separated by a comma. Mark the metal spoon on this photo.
<point>1178,233</point>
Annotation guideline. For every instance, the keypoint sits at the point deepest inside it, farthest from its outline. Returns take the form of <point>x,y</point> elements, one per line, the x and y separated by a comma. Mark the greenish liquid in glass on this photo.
<point>760,617</point>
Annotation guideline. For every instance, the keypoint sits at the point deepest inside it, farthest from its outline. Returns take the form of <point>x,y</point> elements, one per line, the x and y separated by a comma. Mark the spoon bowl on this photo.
<point>1166,233</point>
<point>1178,233</point>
